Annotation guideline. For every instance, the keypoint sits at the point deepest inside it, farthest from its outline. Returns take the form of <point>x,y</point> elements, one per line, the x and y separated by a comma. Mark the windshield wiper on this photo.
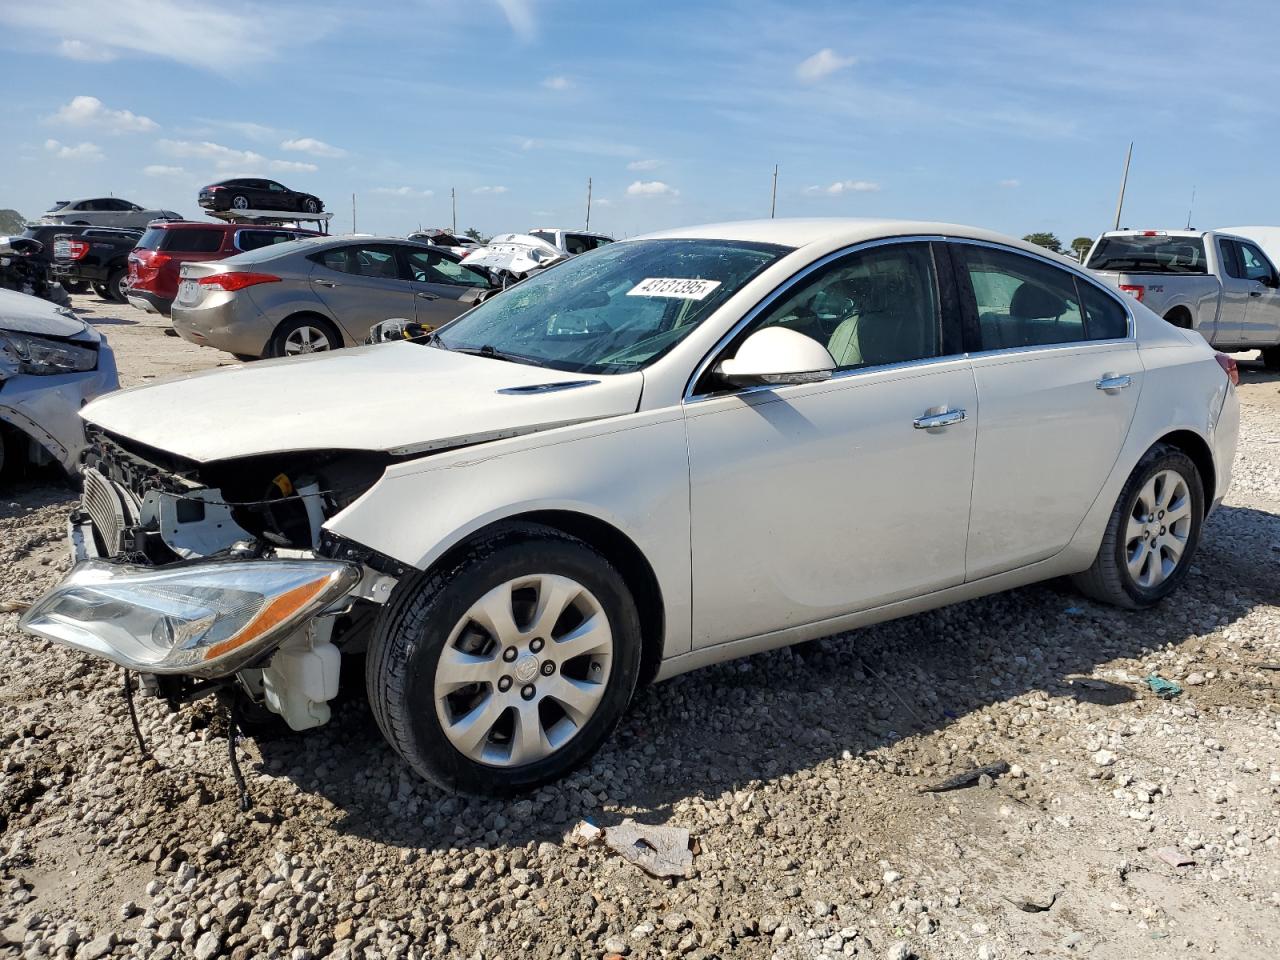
<point>488,350</point>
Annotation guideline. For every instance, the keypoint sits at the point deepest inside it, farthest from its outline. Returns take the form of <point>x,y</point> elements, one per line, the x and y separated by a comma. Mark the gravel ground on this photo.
<point>798,772</point>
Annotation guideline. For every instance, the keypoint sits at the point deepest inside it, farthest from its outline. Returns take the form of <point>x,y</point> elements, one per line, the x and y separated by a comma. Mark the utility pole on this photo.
<point>1124,182</point>
<point>453,195</point>
<point>773,200</point>
<point>588,226</point>
<point>353,214</point>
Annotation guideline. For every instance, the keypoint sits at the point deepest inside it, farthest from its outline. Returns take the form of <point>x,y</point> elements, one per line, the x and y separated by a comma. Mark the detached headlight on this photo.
<point>40,356</point>
<point>207,620</point>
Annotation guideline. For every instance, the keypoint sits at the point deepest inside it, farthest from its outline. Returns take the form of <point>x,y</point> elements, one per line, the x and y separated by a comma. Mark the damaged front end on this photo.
<point>204,576</point>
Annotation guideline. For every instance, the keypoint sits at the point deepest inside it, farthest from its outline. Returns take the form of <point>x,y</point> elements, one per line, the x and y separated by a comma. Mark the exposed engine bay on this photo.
<point>145,507</point>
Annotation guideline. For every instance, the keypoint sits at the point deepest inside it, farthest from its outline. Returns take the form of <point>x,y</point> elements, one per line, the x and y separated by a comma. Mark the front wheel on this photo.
<point>311,205</point>
<point>509,665</point>
<point>1271,358</point>
<point>1152,535</point>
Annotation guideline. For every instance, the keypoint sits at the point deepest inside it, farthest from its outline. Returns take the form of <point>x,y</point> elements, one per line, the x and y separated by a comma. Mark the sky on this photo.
<point>1011,116</point>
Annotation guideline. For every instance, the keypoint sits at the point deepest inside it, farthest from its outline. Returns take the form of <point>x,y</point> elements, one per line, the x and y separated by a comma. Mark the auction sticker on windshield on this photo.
<point>673,287</point>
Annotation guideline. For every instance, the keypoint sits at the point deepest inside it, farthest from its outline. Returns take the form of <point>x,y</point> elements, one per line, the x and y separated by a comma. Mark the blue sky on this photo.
<point>1013,116</point>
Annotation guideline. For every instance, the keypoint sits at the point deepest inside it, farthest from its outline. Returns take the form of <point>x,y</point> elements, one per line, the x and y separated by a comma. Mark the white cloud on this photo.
<point>161,170</point>
<point>846,186</point>
<point>81,151</point>
<point>1011,184</point>
<point>292,166</point>
<point>224,157</point>
<point>86,52</point>
<point>558,83</point>
<point>218,35</point>
<point>822,64</point>
<point>404,192</point>
<point>489,190</point>
<point>651,188</point>
<point>91,112</point>
<point>317,148</point>
<point>519,14</point>
<point>644,164</point>
<point>254,131</point>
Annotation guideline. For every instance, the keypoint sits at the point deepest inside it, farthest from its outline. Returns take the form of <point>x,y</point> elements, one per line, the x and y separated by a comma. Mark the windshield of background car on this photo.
<point>613,310</point>
<point>1137,254</point>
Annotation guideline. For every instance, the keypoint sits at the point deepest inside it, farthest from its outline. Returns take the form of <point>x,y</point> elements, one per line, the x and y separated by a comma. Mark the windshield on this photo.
<point>613,310</point>
<point>1138,254</point>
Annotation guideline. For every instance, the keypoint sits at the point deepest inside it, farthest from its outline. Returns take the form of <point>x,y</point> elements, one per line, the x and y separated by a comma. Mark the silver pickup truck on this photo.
<point>1217,283</point>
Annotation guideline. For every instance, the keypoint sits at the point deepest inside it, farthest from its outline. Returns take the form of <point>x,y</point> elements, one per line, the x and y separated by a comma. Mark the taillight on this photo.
<point>1229,367</point>
<point>77,249</point>
<point>1134,290</point>
<point>230,282</point>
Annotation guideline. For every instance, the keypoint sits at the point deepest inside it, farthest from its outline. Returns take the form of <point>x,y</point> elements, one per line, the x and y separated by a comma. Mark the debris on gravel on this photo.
<point>796,770</point>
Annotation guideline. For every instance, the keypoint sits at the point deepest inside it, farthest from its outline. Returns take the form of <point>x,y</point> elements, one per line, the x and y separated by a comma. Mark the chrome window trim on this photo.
<point>1079,274</point>
<point>690,397</point>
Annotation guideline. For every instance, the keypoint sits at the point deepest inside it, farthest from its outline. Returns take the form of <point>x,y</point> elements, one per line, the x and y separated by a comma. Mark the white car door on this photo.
<point>1262,316</point>
<point>815,500</point>
<point>1058,378</point>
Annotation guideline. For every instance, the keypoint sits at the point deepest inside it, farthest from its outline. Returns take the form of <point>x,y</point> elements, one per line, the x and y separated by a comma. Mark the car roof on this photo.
<point>836,232</point>
<point>1197,234</point>
<point>581,233</point>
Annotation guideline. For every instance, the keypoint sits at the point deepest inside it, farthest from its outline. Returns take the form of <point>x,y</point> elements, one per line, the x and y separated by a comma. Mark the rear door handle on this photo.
<point>428,296</point>
<point>328,283</point>
<point>1112,383</point>
<point>946,418</point>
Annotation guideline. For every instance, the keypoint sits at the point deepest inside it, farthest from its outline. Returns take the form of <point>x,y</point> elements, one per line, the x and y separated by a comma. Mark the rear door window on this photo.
<point>152,238</point>
<point>1021,302</point>
<point>363,260</point>
<point>1254,263</point>
<point>193,241</point>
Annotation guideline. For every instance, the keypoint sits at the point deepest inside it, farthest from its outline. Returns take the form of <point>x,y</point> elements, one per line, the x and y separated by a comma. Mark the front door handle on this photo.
<point>328,283</point>
<point>946,418</point>
<point>428,296</point>
<point>1113,383</point>
<point>1255,293</point>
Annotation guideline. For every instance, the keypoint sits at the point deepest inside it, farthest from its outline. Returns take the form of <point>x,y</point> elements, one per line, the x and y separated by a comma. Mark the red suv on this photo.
<point>156,261</point>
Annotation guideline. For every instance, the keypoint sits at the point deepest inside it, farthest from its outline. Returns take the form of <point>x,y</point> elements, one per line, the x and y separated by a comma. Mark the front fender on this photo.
<point>630,472</point>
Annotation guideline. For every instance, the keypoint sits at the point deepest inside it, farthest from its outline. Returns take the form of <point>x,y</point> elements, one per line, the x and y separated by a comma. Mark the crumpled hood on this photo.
<point>398,397</point>
<point>23,313</point>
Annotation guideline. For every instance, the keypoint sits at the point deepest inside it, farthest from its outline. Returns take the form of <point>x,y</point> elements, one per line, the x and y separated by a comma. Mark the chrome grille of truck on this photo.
<point>113,508</point>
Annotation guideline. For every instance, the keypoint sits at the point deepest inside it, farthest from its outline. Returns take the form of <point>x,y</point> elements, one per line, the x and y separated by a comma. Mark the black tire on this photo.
<point>288,326</point>
<point>1271,358</point>
<point>11,455</point>
<point>245,357</point>
<point>238,202</point>
<point>311,205</point>
<point>413,628</point>
<point>76,286</point>
<point>1109,580</point>
<point>115,287</point>
<point>1179,317</point>
<point>101,290</point>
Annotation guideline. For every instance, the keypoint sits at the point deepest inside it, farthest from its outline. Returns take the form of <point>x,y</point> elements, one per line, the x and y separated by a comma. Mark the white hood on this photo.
<point>398,397</point>
<point>515,253</point>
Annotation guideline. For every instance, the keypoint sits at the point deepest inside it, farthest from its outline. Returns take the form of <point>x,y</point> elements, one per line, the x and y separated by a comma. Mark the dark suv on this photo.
<point>250,193</point>
<point>156,261</point>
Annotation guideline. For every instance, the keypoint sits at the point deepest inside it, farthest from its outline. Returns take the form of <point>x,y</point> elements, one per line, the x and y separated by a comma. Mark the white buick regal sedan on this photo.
<point>665,453</point>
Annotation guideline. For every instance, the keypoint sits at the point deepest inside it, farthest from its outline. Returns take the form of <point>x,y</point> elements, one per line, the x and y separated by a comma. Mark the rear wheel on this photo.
<point>1152,534</point>
<point>509,665</point>
<point>304,334</point>
<point>75,286</point>
<point>1179,317</point>
<point>101,290</point>
<point>115,287</point>
<point>239,202</point>
<point>1271,358</point>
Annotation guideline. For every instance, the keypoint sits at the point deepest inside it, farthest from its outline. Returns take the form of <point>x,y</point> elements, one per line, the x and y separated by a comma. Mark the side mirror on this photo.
<point>776,355</point>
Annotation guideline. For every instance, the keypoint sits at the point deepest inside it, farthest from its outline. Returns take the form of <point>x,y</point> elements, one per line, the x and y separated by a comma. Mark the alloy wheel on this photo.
<point>306,339</point>
<point>524,670</point>
<point>1158,529</point>
<point>240,203</point>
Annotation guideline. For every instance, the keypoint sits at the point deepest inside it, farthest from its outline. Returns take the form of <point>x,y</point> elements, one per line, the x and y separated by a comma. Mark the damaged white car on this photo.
<point>51,364</point>
<point>665,453</point>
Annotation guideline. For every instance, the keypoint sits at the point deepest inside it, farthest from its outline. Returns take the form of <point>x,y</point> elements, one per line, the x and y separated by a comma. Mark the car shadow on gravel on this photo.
<point>786,712</point>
